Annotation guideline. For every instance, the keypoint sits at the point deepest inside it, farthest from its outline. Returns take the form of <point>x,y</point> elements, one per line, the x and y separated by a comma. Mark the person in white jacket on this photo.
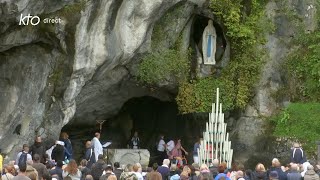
<point>97,145</point>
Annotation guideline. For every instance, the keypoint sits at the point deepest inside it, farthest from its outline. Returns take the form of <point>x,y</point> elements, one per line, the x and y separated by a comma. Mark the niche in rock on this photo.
<point>199,24</point>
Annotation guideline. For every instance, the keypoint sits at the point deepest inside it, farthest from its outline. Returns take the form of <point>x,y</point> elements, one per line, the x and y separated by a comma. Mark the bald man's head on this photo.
<point>88,144</point>
<point>97,135</point>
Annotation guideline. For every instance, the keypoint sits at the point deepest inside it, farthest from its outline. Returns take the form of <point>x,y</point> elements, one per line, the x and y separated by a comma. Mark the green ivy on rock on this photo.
<point>246,27</point>
<point>303,66</point>
<point>299,121</point>
<point>163,66</point>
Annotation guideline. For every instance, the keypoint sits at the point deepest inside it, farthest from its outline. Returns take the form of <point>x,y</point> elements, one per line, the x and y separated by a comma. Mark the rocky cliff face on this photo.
<point>78,69</point>
<point>83,69</point>
<point>254,143</point>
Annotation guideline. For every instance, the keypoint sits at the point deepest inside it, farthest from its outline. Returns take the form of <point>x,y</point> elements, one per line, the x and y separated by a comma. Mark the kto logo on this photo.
<point>25,20</point>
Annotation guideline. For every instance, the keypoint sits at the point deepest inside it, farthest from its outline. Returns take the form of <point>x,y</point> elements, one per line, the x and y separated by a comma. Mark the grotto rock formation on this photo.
<point>79,69</point>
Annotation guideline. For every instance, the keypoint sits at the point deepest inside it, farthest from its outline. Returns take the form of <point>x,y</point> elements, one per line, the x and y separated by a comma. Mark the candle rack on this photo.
<point>215,143</point>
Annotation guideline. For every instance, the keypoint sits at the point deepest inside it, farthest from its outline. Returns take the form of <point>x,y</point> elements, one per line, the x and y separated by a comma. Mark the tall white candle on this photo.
<point>217,103</point>
<point>231,154</point>
<point>212,145</point>
<point>227,138</point>
<point>215,127</point>
<point>216,146</point>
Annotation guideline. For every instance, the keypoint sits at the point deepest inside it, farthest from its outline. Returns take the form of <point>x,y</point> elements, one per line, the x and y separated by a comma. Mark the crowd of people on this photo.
<point>56,163</point>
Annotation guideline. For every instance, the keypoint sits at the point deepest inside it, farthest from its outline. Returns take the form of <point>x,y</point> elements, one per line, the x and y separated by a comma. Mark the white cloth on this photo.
<point>170,145</point>
<point>97,147</point>
<point>49,151</point>
<point>161,144</point>
<point>305,168</point>
<point>60,143</point>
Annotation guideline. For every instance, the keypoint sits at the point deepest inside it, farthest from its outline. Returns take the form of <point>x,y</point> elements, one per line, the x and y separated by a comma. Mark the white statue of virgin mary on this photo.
<point>209,42</point>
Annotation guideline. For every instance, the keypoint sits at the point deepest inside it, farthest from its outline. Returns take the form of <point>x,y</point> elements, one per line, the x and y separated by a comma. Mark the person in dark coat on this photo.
<point>89,155</point>
<point>117,170</point>
<point>260,172</point>
<point>38,148</point>
<point>294,174</point>
<point>214,168</point>
<point>98,168</point>
<point>164,169</point>
<point>297,154</point>
<point>64,137</point>
<point>58,152</point>
<point>276,166</point>
<point>57,170</point>
<point>248,175</point>
<point>84,169</point>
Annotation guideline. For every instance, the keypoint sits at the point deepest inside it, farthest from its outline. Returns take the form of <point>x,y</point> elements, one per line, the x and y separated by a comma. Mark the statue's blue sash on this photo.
<point>209,46</point>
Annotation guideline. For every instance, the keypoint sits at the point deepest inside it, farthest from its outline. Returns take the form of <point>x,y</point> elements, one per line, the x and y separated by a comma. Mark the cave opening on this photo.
<point>147,115</point>
<point>199,24</point>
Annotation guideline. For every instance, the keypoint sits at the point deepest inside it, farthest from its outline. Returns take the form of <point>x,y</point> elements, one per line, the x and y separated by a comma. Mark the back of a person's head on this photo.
<point>108,168</point>
<point>173,167</point>
<point>296,145</point>
<point>116,165</point>
<point>97,134</point>
<point>275,162</point>
<point>112,177</point>
<point>83,162</point>
<point>294,167</point>
<point>155,166</point>
<point>36,157</point>
<point>22,167</point>
<point>239,174</point>
<point>221,168</point>
<point>248,172</point>
<point>10,169</point>
<point>59,164</point>
<point>166,162</point>
<point>234,167</point>
<point>196,166</point>
<point>260,168</point>
<point>224,164</point>
<point>135,168</point>
<point>215,163</point>
<point>89,177</point>
<point>273,175</point>
<point>100,156</point>
<point>203,167</point>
